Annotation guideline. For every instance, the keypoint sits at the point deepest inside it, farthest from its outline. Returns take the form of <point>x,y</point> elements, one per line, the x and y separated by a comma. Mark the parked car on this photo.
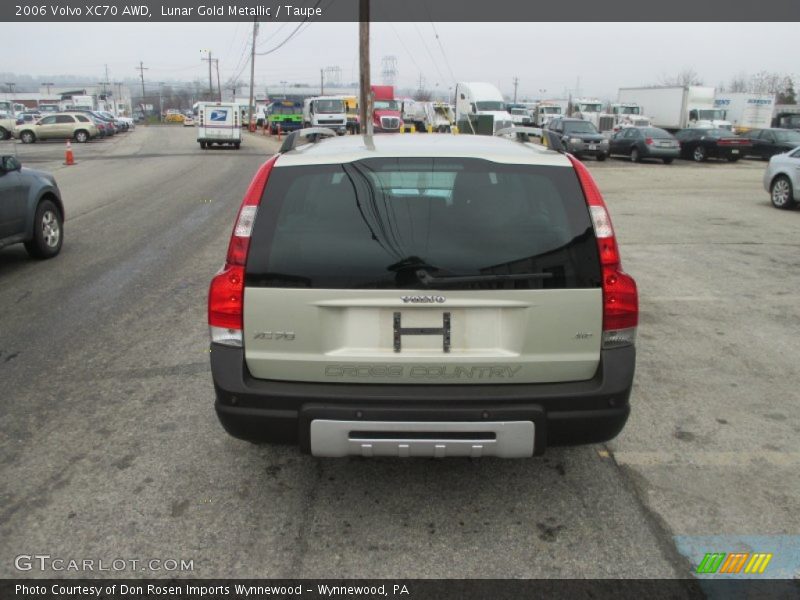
<point>700,144</point>
<point>782,179</point>
<point>645,142</point>
<point>188,121</point>
<point>31,211</point>
<point>59,126</point>
<point>477,308</point>
<point>119,123</point>
<point>105,124</point>
<point>580,137</point>
<point>28,117</point>
<point>769,142</point>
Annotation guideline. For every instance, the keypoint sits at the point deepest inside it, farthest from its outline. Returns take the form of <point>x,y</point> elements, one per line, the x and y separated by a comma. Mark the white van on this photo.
<point>219,123</point>
<point>325,111</point>
<point>480,98</point>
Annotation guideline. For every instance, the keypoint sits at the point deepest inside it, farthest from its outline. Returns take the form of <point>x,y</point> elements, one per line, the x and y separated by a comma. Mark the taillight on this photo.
<point>648,141</point>
<point>226,293</point>
<point>620,297</point>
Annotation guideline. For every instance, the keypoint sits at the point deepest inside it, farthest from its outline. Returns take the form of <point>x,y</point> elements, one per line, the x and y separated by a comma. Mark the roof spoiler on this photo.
<point>549,138</point>
<point>312,134</point>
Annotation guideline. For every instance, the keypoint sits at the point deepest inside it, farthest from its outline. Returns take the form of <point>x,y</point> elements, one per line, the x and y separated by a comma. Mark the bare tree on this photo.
<point>787,95</point>
<point>688,76</point>
<point>422,95</point>
<point>739,83</point>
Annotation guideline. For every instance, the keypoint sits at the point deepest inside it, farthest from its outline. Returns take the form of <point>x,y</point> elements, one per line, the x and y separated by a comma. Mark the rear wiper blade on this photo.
<point>429,279</point>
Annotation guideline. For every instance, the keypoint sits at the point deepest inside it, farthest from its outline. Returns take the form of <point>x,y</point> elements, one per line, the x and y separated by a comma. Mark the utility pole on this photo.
<point>321,83</point>
<point>160,101</point>
<point>210,82</point>
<point>142,69</point>
<point>252,74</point>
<point>118,97</point>
<point>48,86</point>
<point>11,86</point>
<point>219,87</point>
<point>516,83</point>
<point>365,97</point>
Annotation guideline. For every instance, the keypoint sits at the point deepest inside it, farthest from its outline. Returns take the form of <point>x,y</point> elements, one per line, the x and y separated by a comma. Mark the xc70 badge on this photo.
<point>423,299</point>
<point>274,335</point>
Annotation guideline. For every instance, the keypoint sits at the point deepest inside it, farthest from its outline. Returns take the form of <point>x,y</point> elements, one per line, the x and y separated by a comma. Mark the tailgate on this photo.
<point>371,336</point>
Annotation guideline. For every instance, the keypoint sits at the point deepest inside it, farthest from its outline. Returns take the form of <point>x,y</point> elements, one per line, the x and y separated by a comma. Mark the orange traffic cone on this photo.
<point>279,132</point>
<point>69,159</point>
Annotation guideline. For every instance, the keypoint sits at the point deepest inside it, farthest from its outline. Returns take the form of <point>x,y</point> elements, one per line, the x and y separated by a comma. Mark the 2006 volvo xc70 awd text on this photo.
<point>433,295</point>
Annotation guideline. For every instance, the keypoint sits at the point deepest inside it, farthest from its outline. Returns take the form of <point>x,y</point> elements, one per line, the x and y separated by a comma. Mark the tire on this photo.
<point>699,154</point>
<point>4,135</point>
<point>602,157</point>
<point>733,159</point>
<point>781,193</point>
<point>48,231</point>
<point>635,157</point>
<point>668,161</point>
<point>27,137</point>
<point>237,145</point>
<point>81,137</point>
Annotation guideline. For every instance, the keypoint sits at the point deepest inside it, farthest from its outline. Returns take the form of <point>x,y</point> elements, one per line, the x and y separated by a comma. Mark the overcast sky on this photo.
<point>555,57</point>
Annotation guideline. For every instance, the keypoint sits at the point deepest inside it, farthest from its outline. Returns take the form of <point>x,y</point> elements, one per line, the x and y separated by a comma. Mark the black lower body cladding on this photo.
<point>581,412</point>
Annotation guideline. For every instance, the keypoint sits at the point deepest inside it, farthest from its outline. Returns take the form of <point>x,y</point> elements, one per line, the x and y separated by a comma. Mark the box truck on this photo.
<point>746,111</point>
<point>677,107</point>
<point>325,111</point>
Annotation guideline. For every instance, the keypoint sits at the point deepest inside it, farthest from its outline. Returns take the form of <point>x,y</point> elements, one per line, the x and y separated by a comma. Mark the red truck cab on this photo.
<point>385,110</point>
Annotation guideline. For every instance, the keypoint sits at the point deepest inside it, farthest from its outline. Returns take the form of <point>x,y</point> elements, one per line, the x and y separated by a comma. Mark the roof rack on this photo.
<point>549,139</point>
<point>313,134</point>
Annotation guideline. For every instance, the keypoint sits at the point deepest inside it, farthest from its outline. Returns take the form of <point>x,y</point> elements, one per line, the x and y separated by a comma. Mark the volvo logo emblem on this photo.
<point>423,299</point>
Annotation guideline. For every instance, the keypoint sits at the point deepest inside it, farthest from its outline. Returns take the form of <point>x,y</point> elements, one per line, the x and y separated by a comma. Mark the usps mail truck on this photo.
<point>219,123</point>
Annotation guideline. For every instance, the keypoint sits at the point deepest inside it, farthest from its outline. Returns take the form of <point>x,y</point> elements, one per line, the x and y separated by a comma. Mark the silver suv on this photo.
<point>434,295</point>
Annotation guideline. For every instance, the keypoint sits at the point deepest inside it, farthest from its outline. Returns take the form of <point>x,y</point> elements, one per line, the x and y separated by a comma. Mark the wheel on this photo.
<point>4,135</point>
<point>602,157</point>
<point>27,137</point>
<point>668,161</point>
<point>202,145</point>
<point>699,154</point>
<point>237,145</point>
<point>81,137</point>
<point>781,192</point>
<point>48,231</point>
<point>733,158</point>
<point>635,155</point>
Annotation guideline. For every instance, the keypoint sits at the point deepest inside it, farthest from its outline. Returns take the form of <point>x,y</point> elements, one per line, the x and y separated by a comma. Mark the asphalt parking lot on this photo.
<point>110,446</point>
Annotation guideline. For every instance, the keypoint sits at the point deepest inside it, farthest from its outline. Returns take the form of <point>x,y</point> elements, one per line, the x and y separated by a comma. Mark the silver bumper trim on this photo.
<point>439,439</point>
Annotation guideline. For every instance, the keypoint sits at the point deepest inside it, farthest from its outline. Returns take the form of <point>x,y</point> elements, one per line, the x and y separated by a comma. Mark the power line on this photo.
<point>439,41</point>
<point>306,21</point>
<point>410,55</point>
<point>433,60</point>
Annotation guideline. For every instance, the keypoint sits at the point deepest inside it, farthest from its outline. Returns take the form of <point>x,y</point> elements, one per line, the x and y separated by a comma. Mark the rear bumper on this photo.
<point>661,152</point>
<point>581,412</point>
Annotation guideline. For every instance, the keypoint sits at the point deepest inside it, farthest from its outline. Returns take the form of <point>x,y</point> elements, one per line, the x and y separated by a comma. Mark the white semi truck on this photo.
<point>546,110</point>
<point>591,109</point>
<point>677,107</point>
<point>481,99</point>
<point>746,111</point>
<point>629,114</point>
